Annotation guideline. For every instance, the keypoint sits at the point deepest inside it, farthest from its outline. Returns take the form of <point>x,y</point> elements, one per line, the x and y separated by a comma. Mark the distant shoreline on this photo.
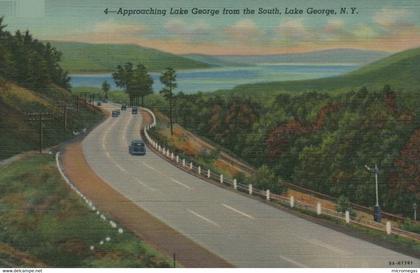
<point>95,73</point>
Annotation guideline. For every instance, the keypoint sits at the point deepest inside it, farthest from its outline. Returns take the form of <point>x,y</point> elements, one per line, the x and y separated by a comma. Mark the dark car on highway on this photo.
<point>137,147</point>
<point>123,107</point>
<point>134,110</point>
<point>115,113</point>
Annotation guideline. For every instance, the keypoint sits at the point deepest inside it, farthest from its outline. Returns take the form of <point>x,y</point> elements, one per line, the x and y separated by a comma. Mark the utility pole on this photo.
<point>65,116</point>
<point>377,210</point>
<point>40,118</point>
<point>76,102</point>
<point>65,110</point>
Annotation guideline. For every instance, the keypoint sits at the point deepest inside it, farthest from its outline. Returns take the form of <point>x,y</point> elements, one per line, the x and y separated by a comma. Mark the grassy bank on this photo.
<point>42,218</point>
<point>20,134</point>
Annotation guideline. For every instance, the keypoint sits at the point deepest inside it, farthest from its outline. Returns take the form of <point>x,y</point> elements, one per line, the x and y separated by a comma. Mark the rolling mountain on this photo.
<point>400,70</point>
<point>355,56</point>
<point>95,58</point>
<point>213,60</point>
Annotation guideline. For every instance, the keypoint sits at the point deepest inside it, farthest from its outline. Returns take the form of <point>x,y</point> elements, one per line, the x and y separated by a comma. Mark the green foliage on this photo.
<point>343,204</point>
<point>29,62</point>
<point>411,226</point>
<point>135,80</point>
<point>105,89</point>
<point>43,217</point>
<point>320,141</point>
<point>264,178</point>
<point>168,79</point>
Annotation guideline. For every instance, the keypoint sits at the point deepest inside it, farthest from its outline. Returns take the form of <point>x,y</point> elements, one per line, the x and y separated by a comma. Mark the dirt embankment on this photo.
<point>194,145</point>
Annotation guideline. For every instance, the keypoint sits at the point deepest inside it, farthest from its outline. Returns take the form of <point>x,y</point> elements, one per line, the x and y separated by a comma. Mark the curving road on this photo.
<point>243,231</point>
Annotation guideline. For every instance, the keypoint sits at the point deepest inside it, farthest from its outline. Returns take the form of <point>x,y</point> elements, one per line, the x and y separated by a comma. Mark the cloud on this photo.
<point>293,30</point>
<point>114,27</point>
<point>364,32</point>
<point>243,30</point>
<point>198,30</point>
<point>392,18</point>
<point>334,26</point>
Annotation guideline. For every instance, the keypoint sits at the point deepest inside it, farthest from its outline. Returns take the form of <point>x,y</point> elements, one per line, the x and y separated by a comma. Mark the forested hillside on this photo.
<point>29,62</point>
<point>31,80</point>
<point>400,70</point>
<point>96,58</point>
<point>321,141</point>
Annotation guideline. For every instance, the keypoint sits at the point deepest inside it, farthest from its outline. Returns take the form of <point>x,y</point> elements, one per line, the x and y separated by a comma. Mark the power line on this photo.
<point>40,117</point>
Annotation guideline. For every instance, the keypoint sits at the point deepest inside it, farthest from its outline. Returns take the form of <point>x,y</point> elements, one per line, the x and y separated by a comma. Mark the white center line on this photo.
<point>104,137</point>
<point>238,211</point>
<point>120,167</point>
<point>292,261</point>
<point>180,183</point>
<point>203,218</point>
<point>144,184</point>
<point>327,246</point>
<point>171,179</point>
<point>150,167</point>
<point>124,133</point>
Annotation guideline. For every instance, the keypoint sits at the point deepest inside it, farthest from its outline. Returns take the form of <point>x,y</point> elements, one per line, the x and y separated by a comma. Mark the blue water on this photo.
<point>205,80</point>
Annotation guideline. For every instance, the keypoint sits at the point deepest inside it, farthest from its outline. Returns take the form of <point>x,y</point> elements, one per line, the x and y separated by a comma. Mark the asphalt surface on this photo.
<point>243,231</point>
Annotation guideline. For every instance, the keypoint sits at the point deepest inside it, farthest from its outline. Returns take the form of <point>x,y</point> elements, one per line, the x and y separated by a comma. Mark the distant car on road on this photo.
<point>137,147</point>
<point>98,103</point>
<point>134,110</point>
<point>115,113</point>
<point>123,107</point>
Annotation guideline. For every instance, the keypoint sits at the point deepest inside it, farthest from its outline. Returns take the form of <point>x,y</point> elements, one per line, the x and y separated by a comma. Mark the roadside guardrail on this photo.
<point>288,201</point>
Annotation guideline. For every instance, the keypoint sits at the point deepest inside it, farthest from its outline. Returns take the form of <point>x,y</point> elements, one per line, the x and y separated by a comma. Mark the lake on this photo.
<point>210,79</point>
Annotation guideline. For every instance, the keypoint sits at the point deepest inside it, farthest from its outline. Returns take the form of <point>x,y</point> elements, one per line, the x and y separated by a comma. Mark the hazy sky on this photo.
<point>389,25</point>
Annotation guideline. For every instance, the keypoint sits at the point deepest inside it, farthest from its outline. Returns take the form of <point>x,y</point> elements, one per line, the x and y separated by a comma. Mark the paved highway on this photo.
<point>243,231</point>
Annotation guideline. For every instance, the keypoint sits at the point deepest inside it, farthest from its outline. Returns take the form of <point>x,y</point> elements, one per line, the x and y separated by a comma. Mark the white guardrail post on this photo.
<point>267,195</point>
<point>318,208</point>
<point>292,201</point>
<point>388,228</point>
<point>199,170</point>
<point>250,189</point>
<point>177,158</point>
<point>208,173</point>
<point>191,165</point>
<point>235,184</point>
<point>221,178</point>
<point>183,162</point>
<point>347,216</point>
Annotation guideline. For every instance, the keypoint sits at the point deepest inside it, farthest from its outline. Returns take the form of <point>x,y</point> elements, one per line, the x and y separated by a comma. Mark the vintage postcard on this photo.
<point>281,134</point>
